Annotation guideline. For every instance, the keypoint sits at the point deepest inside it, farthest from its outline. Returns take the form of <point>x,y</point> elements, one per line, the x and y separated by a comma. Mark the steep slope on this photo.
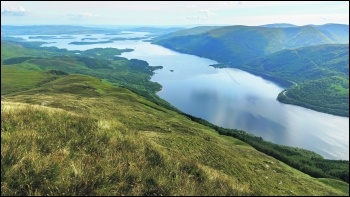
<point>237,44</point>
<point>304,64</point>
<point>297,54</point>
<point>330,94</point>
<point>78,135</point>
<point>337,32</point>
<point>83,136</point>
<point>191,31</point>
<point>321,72</point>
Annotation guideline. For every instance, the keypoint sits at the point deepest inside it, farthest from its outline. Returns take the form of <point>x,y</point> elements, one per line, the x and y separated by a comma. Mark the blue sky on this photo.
<point>164,13</point>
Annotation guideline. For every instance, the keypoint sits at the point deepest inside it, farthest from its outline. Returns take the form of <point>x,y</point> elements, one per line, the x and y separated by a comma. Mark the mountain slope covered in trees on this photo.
<point>321,73</point>
<point>238,44</point>
<point>298,54</point>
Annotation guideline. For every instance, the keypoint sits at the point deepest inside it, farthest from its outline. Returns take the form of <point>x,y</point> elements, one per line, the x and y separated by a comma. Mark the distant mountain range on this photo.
<point>10,30</point>
<point>301,54</point>
<point>279,25</point>
<point>239,44</point>
<point>321,71</point>
<point>305,63</point>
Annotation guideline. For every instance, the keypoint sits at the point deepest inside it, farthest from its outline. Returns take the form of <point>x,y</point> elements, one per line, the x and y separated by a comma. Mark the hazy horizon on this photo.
<point>182,14</point>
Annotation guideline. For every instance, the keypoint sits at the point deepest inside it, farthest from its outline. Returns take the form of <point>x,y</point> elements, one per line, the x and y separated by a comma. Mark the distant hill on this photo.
<point>191,31</point>
<point>337,32</point>
<point>305,63</point>
<point>238,44</point>
<point>47,30</point>
<point>10,30</point>
<point>278,25</point>
<point>321,72</point>
<point>294,53</point>
<point>156,30</point>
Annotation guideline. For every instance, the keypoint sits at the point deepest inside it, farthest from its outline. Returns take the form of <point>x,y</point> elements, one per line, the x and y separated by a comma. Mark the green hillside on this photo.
<point>337,32</point>
<point>304,64</point>
<point>238,44</point>
<point>101,63</point>
<point>321,72</point>
<point>81,136</point>
<point>297,54</point>
<point>71,134</point>
<point>312,95</point>
<point>191,31</point>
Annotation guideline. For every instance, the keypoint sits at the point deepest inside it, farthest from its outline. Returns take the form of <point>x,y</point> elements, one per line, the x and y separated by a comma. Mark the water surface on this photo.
<point>231,98</point>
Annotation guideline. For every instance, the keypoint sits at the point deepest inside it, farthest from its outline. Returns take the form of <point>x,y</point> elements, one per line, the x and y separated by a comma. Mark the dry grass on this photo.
<point>122,144</point>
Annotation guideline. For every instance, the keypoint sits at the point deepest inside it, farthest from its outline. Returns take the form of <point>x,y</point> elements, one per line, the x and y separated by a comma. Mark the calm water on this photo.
<point>231,98</point>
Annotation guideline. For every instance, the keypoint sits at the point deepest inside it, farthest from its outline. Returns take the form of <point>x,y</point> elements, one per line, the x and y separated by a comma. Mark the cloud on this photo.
<point>205,14</point>
<point>78,15</point>
<point>15,11</point>
<point>233,2</point>
<point>200,15</point>
<point>188,6</point>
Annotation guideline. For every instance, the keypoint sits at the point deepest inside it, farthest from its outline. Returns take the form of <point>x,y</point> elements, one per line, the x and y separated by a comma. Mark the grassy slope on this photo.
<point>21,79</point>
<point>92,138</point>
<point>9,50</point>
<point>101,63</point>
<point>88,87</point>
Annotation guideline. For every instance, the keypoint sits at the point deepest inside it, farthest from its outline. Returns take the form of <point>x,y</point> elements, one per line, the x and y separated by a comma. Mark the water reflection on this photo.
<point>233,98</point>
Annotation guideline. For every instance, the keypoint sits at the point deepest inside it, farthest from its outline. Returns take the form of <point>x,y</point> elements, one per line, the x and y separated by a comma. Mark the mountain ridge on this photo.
<point>255,49</point>
<point>240,43</point>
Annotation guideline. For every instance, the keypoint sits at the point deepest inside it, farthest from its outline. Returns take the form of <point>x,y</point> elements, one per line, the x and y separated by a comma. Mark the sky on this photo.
<point>173,13</point>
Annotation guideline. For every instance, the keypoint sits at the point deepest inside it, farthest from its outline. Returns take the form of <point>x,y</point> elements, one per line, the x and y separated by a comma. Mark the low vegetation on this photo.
<point>72,134</point>
<point>78,135</point>
<point>301,159</point>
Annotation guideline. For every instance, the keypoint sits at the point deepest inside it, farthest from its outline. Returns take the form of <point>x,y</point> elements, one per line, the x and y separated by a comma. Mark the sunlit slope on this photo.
<point>305,63</point>
<point>238,44</point>
<point>321,72</point>
<point>29,60</point>
<point>78,135</point>
<point>304,54</point>
<point>310,95</point>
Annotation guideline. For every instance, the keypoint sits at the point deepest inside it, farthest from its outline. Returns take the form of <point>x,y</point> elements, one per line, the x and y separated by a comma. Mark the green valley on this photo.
<point>174,98</point>
<point>293,54</point>
<point>92,124</point>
